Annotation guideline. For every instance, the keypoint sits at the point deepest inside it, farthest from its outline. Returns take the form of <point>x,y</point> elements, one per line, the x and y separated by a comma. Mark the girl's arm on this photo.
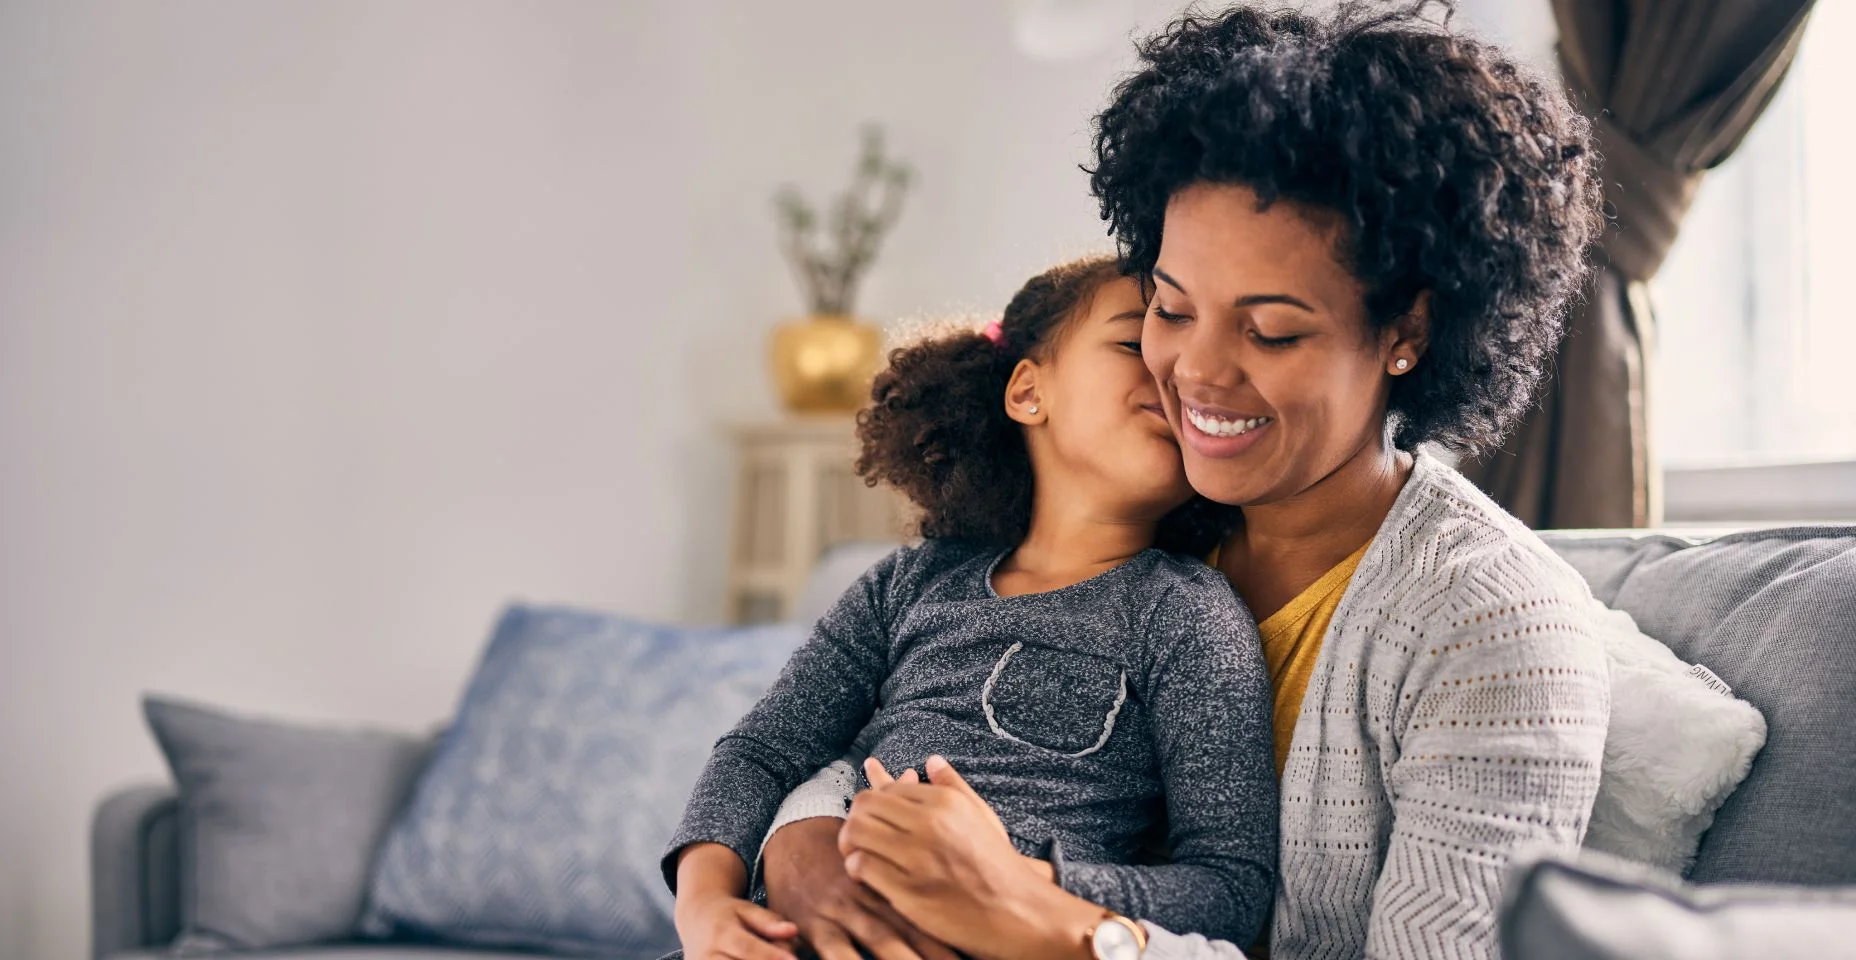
<point>822,698</point>
<point>712,920</point>
<point>1208,693</point>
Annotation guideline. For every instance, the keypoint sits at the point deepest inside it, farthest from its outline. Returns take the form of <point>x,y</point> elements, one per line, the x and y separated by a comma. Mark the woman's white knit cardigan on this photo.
<point>1456,715</point>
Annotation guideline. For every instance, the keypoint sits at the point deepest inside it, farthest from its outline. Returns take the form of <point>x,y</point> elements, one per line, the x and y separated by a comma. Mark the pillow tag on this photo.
<point>1707,676</point>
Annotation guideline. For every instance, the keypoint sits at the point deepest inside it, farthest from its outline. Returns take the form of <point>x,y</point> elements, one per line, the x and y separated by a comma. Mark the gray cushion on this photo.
<point>1598,908</point>
<point>278,823</point>
<point>1773,613</point>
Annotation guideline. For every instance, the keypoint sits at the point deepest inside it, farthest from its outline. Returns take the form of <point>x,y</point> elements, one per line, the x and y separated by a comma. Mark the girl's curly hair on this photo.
<point>937,430</point>
<point>1453,169</point>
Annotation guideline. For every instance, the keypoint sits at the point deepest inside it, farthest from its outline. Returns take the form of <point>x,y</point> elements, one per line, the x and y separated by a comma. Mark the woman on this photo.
<point>1359,232</point>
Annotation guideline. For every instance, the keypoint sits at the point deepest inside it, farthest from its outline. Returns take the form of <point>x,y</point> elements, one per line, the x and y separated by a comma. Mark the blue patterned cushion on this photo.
<point>540,820</point>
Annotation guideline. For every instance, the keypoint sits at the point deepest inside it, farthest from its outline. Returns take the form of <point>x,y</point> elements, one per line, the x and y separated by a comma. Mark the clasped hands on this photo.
<point>917,871</point>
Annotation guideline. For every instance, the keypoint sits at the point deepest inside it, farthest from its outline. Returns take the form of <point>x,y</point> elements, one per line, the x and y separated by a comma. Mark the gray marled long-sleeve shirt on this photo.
<point>1096,716</point>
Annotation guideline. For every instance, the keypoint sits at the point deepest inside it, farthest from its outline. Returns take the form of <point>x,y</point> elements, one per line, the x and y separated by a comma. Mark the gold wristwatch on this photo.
<point>1117,938</point>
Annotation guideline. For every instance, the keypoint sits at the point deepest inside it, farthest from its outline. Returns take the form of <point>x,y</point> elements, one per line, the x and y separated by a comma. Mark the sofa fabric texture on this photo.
<point>278,824</point>
<point>541,819</point>
<point>135,870</point>
<point>1772,613</point>
<point>1603,908</point>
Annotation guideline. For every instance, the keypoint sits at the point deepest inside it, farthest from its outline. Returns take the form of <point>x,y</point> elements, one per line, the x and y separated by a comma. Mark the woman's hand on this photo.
<point>941,857</point>
<point>806,881</point>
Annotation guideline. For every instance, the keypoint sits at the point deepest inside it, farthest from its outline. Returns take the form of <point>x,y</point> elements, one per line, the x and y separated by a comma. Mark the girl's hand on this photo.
<point>941,857</point>
<point>729,928</point>
<point>806,881</point>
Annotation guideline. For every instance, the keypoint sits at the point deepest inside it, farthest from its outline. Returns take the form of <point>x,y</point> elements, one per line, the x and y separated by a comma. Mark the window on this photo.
<point>1755,352</point>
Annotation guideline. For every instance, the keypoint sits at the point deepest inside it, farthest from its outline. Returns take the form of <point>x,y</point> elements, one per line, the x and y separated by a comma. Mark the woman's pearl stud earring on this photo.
<point>1032,409</point>
<point>1402,363</point>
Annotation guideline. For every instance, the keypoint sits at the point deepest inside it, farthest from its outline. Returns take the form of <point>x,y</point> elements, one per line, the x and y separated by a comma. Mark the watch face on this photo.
<point>1114,941</point>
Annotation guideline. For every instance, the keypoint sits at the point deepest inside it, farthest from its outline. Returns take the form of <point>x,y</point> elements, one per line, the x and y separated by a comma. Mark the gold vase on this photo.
<point>824,363</point>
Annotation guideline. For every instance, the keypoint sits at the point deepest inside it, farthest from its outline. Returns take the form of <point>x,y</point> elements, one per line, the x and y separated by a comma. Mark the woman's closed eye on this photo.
<point>1274,343</point>
<point>1168,315</point>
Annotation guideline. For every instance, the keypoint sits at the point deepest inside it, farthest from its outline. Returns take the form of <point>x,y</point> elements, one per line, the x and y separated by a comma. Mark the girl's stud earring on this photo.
<point>1402,363</point>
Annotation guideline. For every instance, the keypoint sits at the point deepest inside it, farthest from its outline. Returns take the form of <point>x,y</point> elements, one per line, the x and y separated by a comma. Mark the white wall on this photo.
<point>327,328</point>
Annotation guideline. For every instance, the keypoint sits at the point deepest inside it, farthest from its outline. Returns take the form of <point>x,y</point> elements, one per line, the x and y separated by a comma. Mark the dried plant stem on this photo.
<point>859,220</point>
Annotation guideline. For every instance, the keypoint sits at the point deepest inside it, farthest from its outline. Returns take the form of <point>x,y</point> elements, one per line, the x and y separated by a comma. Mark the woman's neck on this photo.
<point>1345,506</point>
<point>1285,546</point>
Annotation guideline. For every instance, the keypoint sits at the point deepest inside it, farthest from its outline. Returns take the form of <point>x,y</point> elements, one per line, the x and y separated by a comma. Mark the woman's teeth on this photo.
<point>1217,427</point>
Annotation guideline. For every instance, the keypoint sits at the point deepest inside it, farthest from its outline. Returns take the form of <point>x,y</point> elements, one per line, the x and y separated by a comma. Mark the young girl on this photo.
<point>1099,691</point>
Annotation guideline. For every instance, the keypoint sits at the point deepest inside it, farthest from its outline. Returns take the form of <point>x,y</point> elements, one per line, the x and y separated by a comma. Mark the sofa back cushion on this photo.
<point>278,823</point>
<point>540,821</point>
<point>838,569</point>
<point>1773,614</point>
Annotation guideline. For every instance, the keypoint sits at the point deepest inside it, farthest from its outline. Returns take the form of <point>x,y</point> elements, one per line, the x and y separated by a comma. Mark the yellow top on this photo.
<point>1292,642</point>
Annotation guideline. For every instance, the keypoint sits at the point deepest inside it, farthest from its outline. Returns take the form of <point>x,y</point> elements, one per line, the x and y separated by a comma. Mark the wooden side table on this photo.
<point>797,495</point>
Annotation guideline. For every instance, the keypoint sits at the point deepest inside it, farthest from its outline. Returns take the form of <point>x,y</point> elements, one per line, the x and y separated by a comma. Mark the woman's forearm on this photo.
<point>1039,921</point>
<point>1056,926</point>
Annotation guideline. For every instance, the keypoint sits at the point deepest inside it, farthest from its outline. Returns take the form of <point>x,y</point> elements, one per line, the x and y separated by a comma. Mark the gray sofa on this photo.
<point>1772,612</point>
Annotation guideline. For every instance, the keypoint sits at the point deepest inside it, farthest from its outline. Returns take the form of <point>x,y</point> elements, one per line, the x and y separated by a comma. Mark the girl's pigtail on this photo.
<point>936,429</point>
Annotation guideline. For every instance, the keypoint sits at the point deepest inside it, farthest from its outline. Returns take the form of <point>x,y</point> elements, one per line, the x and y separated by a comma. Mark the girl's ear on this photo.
<point>1021,394</point>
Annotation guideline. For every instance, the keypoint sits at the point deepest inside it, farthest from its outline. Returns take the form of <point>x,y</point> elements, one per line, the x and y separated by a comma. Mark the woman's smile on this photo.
<point>1219,433</point>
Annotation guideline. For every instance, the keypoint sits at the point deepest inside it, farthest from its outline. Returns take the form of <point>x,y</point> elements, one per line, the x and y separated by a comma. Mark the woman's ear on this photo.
<point>1021,394</point>
<point>1406,338</point>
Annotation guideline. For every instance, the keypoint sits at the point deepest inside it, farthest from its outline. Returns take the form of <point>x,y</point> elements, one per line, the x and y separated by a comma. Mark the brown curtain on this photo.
<point>1672,87</point>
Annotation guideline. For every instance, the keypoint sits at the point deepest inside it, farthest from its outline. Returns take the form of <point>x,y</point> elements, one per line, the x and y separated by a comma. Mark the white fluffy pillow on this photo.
<point>1679,743</point>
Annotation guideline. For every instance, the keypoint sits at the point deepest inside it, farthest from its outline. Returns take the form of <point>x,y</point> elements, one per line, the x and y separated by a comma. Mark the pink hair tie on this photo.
<point>995,332</point>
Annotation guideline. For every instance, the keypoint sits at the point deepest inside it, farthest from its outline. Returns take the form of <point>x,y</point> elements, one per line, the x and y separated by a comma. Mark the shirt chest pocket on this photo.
<point>1059,700</point>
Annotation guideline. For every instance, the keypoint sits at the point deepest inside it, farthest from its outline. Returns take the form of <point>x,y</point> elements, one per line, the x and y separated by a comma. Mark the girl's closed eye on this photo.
<point>1132,346</point>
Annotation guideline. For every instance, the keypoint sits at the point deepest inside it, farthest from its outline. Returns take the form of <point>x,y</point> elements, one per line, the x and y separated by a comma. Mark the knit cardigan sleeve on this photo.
<point>1500,731</point>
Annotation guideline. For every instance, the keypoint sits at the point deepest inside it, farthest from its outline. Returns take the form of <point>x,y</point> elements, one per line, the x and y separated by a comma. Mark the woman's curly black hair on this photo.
<point>1453,169</point>
<point>937,430</point>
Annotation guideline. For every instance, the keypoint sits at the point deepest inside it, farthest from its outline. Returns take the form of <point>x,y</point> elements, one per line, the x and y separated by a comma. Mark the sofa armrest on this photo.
<point>135,870</point>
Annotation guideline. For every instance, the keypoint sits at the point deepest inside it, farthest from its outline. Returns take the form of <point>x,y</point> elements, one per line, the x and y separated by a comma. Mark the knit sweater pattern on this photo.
<point>1456,717</point>
<point>1095,719</point>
